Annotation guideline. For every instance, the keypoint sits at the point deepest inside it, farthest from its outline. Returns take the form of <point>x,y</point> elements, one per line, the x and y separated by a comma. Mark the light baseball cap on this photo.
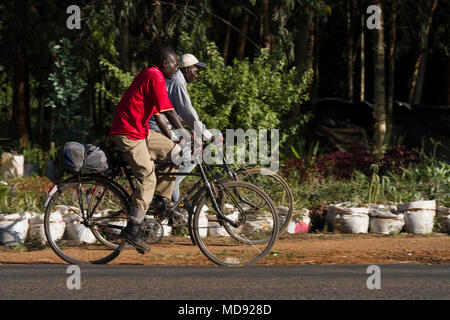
<point>187,60</point>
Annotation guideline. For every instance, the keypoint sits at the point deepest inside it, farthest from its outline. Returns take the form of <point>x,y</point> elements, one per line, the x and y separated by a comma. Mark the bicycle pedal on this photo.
<point>140,251</point>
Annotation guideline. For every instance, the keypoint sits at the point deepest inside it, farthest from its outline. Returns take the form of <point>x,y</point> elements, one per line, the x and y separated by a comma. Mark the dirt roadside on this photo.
<point>298,249</point>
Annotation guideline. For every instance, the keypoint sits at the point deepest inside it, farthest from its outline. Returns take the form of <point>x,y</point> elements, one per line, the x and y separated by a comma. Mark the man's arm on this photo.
<point>172,116</point>
<point>160,121</point>
<point>182,103</point>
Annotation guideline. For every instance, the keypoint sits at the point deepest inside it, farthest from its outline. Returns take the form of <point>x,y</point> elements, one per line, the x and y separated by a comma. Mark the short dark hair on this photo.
<point>162,53</point>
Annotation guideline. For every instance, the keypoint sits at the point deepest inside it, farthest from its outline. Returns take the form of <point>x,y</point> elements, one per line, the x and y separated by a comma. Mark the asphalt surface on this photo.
<point>421,282</point>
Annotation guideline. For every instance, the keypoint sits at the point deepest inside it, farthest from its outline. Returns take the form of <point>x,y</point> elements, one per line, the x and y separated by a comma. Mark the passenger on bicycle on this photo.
<point>176,86</point>
<point>130,133</point>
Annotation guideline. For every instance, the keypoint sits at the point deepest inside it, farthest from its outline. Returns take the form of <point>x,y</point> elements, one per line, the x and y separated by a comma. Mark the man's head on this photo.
<point>165,59</point>
<point>188,65</point>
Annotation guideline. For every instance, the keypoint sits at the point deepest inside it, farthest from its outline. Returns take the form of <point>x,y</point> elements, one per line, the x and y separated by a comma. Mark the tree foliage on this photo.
<point>66,86</point>
<point>264,58</point>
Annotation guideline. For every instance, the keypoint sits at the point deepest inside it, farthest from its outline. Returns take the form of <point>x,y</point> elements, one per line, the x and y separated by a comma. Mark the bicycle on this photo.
<point>97,204</point>
<point>271,182</point>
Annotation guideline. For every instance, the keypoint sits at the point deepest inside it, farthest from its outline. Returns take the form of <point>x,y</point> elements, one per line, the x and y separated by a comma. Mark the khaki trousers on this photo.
<point>140,155</point>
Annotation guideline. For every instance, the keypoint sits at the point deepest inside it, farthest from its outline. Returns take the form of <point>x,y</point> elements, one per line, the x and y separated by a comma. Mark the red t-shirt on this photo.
<point>145,96</point>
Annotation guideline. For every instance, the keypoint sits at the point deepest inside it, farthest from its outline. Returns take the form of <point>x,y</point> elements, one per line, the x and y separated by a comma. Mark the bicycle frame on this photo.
<point>196,190</point>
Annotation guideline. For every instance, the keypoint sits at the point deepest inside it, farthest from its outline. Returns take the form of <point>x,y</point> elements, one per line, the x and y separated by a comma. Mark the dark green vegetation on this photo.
<point>264,59</point>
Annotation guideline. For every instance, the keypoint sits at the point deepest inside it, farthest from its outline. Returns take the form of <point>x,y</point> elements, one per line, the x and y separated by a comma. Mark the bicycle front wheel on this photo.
<point>276,187</point>
<point>249,241</point>
<point>94,212</point>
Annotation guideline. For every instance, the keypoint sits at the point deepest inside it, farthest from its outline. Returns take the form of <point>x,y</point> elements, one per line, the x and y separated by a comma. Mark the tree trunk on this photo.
<point>379,86</point>
<point>124,46</point>
<point>448,82</point>
<point>362,91</point>
<point>100,104</point>
<point>311,42</point>
<point>350,8</point>
<point>390,63</point>
<point>21,97</point>
<point>93,111</point>
<point>415,93</point>
<point>48,127</point>
<point>226,45</point>
<point>265,24</point>
<point>302,42</point>
<point>243,36</point>
<point>155,6</point>
<point>316,47</point>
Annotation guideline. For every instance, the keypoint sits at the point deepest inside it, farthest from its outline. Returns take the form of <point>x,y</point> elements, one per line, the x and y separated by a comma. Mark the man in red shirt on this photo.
<point>147,95</point>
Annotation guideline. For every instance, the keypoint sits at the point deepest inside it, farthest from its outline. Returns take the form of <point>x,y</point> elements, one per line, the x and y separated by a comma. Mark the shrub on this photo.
<point>23,194</point>
<point>342,165</point>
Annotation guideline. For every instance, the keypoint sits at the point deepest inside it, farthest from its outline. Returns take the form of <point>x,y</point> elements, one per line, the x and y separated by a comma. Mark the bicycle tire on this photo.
<point>281,193</point>
<point>97,193</point>
<point>229,250</point>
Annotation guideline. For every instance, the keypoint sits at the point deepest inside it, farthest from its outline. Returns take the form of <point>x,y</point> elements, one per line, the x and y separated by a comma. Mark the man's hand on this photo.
<point>216,138</point>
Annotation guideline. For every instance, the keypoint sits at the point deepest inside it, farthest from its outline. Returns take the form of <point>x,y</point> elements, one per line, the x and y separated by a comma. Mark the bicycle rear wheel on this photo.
<point>245,244</point>
<point>276,187</point>
<point>95,212</point>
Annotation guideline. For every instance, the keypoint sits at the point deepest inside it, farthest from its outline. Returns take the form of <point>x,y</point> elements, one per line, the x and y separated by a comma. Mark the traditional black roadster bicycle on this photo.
<point>96,206</point>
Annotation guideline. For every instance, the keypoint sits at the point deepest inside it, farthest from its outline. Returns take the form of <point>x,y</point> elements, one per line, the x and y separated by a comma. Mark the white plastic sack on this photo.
<point>13,228</point>
<point>12,165</point>
<point>260,222</point>
<point>384,221</point>
<point>167,229</point>
<point>203,222</point>
<point>214,227</point>
<point>80,233</point>
<point>68,213</point>
<point>347,218</point>
<point>419,216</point>
<point>387,226</point>
<point>352,223</point>
<point>57,226</point>
<point>291,226</point>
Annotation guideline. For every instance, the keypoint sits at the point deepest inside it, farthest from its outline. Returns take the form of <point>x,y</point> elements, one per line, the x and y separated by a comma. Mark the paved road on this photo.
<point>250,283</point>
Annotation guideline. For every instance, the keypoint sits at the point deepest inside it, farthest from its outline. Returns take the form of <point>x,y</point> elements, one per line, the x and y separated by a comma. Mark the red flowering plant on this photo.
<point>23,194</point>
<point>341,166</point>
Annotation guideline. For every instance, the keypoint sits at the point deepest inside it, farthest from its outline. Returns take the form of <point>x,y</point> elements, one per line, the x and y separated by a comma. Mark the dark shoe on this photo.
<point>160,203</point>
<point>162,206</point>
<point>131,234</point>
